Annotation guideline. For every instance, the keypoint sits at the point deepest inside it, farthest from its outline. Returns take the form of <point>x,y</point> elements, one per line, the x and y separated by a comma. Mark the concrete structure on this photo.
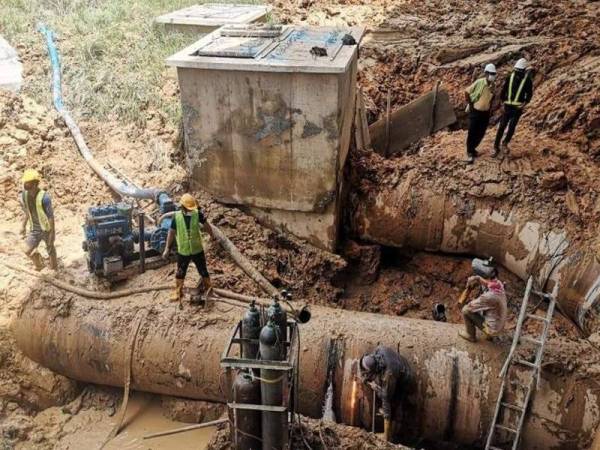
<point>267,123</point>
<point>10,67</point>
<point>203,19</point>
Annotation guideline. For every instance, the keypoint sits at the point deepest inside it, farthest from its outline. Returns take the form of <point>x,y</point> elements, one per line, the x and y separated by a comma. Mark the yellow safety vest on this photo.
<point>39,207</point>
<point>513,100</point>
<point>189,242</point>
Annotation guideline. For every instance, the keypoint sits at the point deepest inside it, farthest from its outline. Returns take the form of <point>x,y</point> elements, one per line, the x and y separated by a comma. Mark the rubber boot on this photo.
<point>387,430</point>
<point>487,335</point>
<point>177,294</point>
<point>469,332</point>
<point>206,284</point>
<point>53,261</point>
<point>37,261</point>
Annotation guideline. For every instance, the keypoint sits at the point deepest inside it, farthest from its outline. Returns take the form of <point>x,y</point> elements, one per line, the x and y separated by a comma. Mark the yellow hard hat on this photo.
<point>31,175</point>
<point>188,202</point>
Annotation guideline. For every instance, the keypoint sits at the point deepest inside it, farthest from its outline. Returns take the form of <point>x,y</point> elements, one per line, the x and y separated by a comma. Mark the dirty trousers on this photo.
<point>478,122</point>
<point>183,261</point>
<point>33,239</point>
<point>511,118</point>
<point>473,320</point>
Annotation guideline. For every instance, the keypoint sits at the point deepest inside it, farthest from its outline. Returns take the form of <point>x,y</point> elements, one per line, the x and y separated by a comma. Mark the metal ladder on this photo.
<point>514,432</point>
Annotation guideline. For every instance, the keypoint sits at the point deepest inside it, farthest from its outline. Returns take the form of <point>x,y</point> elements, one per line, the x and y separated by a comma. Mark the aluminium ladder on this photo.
<point>503,407</point>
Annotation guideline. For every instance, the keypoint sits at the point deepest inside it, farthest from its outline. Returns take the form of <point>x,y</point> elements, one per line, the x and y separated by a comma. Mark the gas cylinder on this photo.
<point>251,330</point>
<point>274,423</point>
<point>278,316</point>
<point>246,390</point>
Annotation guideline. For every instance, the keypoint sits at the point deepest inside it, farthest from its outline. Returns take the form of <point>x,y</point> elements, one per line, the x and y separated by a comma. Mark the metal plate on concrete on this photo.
<point>292,51</point>
<point>234,47</point>
<point>10,67</point>
<point>215,15</point>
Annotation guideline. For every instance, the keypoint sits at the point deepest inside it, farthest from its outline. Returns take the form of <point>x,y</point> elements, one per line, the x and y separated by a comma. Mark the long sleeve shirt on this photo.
<point>393,374</point>
<point>526,94</point>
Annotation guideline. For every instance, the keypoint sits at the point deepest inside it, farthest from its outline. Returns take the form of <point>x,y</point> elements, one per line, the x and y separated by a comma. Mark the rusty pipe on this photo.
<point>412,215</point>
<point>178,353</point>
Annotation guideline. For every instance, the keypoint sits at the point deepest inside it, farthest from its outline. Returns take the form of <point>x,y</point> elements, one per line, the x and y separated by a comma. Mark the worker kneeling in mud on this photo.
<point>390,377</point>
<point>185,230</point>
<point>37,209</point>
<point>488,311</point>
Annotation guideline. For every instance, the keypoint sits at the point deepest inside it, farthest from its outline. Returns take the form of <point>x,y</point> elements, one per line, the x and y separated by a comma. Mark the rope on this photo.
<point>264,380</point>
<point>128,360</point>
<point>85,292</point>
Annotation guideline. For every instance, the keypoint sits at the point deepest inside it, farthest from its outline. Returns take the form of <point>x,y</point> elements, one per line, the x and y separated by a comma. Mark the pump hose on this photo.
<point>122,188</point>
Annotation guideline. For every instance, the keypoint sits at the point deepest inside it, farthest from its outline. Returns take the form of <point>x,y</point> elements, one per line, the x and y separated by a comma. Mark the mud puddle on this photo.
<point>144,416</point>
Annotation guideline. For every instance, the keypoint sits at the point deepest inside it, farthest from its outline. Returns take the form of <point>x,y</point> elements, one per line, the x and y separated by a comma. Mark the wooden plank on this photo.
<point>258,364</point>
<point>249,406</point>
<point>346,101</point>
<point>412,122</point>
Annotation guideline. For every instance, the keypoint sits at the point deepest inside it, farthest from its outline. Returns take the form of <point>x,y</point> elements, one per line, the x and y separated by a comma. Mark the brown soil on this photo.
<point>409,45</point>
<point>319,435</point>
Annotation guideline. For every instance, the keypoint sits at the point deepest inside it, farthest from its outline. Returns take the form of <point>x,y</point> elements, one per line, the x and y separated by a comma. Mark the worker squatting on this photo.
<point>517,92</point>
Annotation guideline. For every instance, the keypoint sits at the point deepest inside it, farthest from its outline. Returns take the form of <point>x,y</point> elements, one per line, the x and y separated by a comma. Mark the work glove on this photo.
<point>472,280</point>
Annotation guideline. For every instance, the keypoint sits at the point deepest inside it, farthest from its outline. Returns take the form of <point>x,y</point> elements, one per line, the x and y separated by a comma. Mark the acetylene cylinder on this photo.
<point>247,390</point>
<point>274,424</point>
<point>277,315</point>
<point>251,330</point>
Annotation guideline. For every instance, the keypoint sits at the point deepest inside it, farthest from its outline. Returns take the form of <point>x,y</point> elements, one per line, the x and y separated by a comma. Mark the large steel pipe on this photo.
<point>413,215</point>
<point>178,353</point>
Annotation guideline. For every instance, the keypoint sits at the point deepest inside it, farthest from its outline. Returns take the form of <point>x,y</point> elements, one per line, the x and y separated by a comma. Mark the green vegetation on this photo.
<point>112,53</point>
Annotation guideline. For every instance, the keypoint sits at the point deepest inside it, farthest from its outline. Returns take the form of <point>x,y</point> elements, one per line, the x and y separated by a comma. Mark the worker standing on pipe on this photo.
<point>488,311</point>
<point>37,209</point>
<point>185,229</point>
<point>390,377</point>
<point>479,96</point>
<point>516,93</point>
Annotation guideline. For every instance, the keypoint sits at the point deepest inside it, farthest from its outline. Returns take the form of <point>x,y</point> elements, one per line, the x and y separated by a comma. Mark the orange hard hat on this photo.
<point>188,202</point>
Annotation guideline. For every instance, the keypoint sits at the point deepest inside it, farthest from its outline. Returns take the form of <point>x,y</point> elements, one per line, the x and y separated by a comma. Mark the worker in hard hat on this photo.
<point>517,92</point>
<point>38,212</point>
<point>488,311</point>
<point>185,230</point>
<point>479,96</point>
<point>390,376</point>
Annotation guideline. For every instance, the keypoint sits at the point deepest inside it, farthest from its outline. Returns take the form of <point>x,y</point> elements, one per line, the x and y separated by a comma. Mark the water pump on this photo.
<point>113,243</point>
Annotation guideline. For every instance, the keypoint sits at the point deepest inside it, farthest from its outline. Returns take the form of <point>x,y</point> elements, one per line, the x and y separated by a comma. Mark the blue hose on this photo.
<point>53,52</point>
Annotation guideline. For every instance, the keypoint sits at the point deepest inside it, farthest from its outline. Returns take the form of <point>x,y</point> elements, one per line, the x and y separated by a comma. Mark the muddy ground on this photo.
<point>410,45</point>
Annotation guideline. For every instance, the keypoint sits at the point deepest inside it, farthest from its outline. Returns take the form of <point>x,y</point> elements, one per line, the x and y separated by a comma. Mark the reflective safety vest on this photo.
<point>39,208</point>
<point>189,242</point>
<point>513,99</point>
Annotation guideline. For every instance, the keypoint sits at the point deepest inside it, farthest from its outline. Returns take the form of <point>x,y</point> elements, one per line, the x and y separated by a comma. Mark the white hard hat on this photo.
<point>490,68</point>
<point>521,64</point>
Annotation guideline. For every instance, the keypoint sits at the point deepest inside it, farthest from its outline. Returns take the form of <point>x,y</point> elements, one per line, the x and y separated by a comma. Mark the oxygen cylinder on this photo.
<point>274,424</point>
<point>251,330</point>
<point>247,390</point>
<point>278,316</point>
